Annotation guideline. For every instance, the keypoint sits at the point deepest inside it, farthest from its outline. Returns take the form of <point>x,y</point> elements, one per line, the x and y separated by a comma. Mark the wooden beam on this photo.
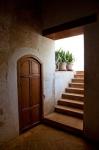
<point>72,24</point>
<point>66,33</point>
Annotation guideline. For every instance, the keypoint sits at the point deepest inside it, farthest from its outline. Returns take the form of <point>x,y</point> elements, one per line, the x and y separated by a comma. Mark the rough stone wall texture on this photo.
<point>20,35</point>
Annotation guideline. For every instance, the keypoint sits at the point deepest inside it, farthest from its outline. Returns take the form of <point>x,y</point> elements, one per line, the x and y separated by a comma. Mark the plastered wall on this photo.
<point>62,80</point>
<point>19,36</point>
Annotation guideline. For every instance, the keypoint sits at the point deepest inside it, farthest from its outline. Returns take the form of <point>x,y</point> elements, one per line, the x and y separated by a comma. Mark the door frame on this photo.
<point>41,86</point>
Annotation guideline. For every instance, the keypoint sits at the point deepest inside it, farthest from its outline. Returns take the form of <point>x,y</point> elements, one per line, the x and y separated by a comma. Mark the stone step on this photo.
<point>79,76</point>
<point>73,96</point>
<point>76,85</point>
<point>80,72</point>
<point>65,122</point>
<point>71,103</point>
<point>75,90</point>
<point>78,80</point>
<point>69,111</point>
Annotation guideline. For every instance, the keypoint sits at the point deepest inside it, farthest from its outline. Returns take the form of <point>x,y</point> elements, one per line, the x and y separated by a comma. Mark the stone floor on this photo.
<point>46,138</point>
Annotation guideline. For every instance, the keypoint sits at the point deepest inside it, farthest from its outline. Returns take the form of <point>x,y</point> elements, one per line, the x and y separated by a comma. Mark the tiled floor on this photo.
<point>46,138</point>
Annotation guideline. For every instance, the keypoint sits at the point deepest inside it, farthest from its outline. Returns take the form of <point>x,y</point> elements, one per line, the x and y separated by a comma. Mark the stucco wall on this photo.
<point>19,36</point>
<point>62,79</point>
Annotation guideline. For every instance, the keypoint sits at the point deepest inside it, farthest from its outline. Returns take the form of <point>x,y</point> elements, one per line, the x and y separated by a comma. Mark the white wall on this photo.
<point>8,88</point>
<point>75,45</point>
<point>9,92</point>
<point>62,79</point>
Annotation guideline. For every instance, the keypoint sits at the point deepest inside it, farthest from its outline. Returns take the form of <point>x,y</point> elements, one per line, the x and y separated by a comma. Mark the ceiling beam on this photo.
<point>69,25</point>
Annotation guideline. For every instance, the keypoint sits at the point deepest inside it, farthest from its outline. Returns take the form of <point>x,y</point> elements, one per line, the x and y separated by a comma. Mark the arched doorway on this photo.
<point>29,92</point>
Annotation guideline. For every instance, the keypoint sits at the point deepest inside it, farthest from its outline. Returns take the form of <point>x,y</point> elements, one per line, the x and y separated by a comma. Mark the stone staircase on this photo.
<point>68,114</point>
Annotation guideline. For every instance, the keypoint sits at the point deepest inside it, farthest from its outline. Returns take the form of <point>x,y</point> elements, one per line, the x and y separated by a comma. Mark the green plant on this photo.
<point>60,56</point>
<point>69,57</point>
<point>57,56</point>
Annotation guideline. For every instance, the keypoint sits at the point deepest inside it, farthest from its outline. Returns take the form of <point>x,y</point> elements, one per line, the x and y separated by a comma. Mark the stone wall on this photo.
<point>20,35</point>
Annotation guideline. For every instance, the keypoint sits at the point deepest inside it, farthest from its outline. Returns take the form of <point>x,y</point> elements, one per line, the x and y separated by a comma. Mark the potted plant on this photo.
<point>57,59</point>
<point>60,58</point>
<point>70,60</point>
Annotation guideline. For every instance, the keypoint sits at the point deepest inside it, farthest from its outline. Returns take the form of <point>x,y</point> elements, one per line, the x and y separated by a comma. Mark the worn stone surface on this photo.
<point>20,30</point>
<point>36,139</point>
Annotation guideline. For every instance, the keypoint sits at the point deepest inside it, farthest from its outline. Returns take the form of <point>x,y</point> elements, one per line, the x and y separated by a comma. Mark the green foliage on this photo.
<point>69,57</point>
<point>60,56</point>
<point>57,56</point>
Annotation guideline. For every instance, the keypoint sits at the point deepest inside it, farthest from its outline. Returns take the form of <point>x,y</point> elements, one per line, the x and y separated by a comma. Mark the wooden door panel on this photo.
<point>24,90</point>
<point>25,118</point>
<point>24,67</point>
<point>35,91</point>
<point>35,67</point>
<point>30,105</point>
<point>35,114</point>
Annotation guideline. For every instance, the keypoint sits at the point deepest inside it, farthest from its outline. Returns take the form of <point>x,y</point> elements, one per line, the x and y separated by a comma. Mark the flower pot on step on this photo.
<point>69,67</point>
<point>62,66</point>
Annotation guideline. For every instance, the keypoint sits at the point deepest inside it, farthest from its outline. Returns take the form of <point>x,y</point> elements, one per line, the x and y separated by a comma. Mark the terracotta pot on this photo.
<point>69,67</point>
<point>62,66</point>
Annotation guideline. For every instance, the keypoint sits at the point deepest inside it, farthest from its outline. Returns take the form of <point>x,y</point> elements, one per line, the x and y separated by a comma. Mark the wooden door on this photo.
<point>30,92</point>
